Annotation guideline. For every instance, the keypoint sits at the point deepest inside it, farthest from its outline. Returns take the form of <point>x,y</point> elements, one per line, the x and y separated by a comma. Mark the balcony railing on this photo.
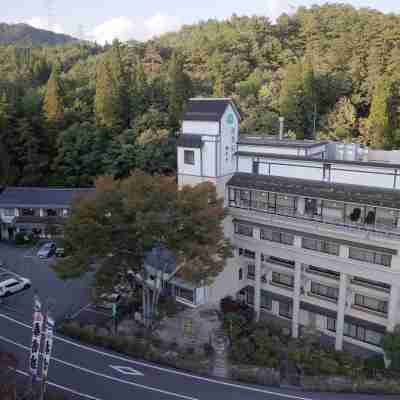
<point>324,215</point>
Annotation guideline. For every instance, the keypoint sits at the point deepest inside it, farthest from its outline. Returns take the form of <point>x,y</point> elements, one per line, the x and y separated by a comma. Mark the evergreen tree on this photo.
<point>111,101</point>
<point>53,100</point>
<point>341,121</point>
<point>138,101</point>
<point>379,121</point>
<point>179,90</point>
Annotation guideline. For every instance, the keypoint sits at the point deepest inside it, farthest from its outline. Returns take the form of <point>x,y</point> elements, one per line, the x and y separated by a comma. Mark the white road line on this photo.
<point>66,389</point>
<point>171,371</point>
<point>112,378</point>
<point>80,310</point>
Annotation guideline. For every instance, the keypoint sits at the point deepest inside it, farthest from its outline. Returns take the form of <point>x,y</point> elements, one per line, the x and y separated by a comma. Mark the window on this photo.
<point>366,282</point>
<point>251,272</point>
<point>240,274</point>
<point>363,334</point>
<point>370,256</point>
<point>277,236</point>
<point>323,271</point>
<point>278,260</point>
<point>9,212</point>
<point>322,246</point>
<point>331,324</point>
<point>282,279</point>
<point>51,212</point>
<point>247,253</point>
<point>245,230</point>
<point>186,294</point>
<point>188,156</point>
<point>256,167</point>
<point>371,303</point>
<point>285,309</point>
<point>265,300</point>
<point>325,291</point>
<point>27,212</point>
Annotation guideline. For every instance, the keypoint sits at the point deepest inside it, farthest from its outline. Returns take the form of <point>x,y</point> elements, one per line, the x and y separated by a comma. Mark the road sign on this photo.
<point>126,370</point>
<point>48,345</point>
<point>36,337</point>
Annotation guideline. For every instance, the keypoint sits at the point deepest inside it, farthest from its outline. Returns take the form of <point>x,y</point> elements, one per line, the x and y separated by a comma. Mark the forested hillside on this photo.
<point>69,113</point>
<point>26,35</point>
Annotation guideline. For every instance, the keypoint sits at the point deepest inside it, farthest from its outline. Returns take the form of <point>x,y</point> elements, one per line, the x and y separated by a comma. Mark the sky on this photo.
<point>103,20</point>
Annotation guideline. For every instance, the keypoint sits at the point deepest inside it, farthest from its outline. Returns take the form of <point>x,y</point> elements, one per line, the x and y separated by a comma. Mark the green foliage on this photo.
<point>53,101</point>
<point>391,345</point>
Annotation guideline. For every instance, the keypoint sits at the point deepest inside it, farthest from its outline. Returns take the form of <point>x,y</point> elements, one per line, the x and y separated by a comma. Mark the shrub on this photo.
<point>20,238</point>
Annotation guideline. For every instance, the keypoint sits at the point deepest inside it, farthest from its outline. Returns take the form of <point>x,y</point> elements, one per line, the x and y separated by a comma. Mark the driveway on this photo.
<point>67,296</point>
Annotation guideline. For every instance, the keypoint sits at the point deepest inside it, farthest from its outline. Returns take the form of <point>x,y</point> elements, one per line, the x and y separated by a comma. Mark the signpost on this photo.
<point>36,339</point>
<point>48,345</point>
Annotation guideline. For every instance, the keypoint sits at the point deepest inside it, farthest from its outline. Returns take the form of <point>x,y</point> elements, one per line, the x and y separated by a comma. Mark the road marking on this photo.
<point>66,389</point>
<point>171,371</point>
<point>126,370</point>
<point>150,388</point>
<point>80,310</point>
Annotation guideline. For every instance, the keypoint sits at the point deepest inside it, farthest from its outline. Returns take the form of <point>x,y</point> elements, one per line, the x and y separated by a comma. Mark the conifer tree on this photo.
<point>53,100</point>
<point>379,120</point>
<point>179,89</point>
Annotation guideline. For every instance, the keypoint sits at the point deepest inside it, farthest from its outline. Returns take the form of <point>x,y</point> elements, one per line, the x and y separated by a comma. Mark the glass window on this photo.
<point>245,230</point>
<point>331,324</point>
<point>251,272</point>
<point>322,246</point>
<point>363,334</point>
<point>323,271</point>
<point>367,282</point>
<point>371,303</point>
<point>282,279</point>
<point>285,309</point>
<point>277,260</point>
<point>265,300</point>
<point>247,253</point>
<point>370,257</point>
<point>188,156</point>
<point>276,236</point>
<point>183,293</point>
<point>325,291</point>
<point>250,295</point>
<point>28,212</point>
<point>240,274</point>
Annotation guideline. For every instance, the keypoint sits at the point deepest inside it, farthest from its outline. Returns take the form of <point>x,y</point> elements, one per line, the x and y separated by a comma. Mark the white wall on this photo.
<point>267,149</point>
<point>200,127</point>
<point>187,168</point>
<point>229,137</point>
<point>209,156</point>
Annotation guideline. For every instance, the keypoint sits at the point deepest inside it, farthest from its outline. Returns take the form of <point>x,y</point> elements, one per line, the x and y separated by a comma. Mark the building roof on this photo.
<point>31,197</point>
<point>208,109</point>
<point>325,161</point>
<point>274,141</point>
<point>190,140</point>
<point>344,192</point>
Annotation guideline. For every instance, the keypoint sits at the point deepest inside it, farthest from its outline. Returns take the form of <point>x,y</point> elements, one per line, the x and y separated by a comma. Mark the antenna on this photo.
<point>49,5</point>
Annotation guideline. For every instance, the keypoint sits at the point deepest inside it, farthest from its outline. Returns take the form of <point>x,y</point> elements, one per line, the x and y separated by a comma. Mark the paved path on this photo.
<point>89,373</point>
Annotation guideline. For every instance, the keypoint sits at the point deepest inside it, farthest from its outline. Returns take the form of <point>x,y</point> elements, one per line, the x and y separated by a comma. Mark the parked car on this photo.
<point>14,285</point>
<point>47,250</point>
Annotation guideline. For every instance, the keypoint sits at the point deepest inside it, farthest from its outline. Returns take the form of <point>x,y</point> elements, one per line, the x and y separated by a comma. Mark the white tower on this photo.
<point>207,144</point>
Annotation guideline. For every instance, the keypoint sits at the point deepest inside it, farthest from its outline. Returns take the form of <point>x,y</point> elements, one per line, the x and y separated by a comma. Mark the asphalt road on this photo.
<point>84,372</point>
<point>89,373</point>
<point>67,296</point>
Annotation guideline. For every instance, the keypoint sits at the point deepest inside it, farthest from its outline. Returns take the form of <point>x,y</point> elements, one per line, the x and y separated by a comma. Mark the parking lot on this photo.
<point>68,297</point>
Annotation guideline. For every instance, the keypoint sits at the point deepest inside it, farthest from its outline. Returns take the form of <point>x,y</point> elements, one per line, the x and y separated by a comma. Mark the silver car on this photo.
<point>47,250</point>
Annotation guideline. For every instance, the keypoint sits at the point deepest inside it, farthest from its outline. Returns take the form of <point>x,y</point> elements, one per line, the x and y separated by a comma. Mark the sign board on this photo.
<point>36,338</point>
<point>48,345</point>
<point>188,327</point>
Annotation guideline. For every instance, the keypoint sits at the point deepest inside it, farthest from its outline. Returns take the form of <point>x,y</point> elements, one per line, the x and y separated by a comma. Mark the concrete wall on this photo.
<point>200,127</point>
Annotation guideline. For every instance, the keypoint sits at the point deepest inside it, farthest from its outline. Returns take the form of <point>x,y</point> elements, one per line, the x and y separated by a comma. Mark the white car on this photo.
<point>14,285</point>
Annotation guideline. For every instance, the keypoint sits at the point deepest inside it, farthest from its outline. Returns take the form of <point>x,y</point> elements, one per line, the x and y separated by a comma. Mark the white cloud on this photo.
<point>124,28</point>
<point>278,7</point>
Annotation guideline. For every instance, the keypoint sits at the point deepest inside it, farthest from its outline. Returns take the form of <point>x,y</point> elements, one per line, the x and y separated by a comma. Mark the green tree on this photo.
<point>341,121</point>
<point>379,120</point>
<point>391,345</point>
<point>126,219</point>
<point>111,100</point>
<point>53,101</point>
<point>179,89</point>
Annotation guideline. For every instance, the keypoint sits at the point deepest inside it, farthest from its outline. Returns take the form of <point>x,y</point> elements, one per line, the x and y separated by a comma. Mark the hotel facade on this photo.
<point>314,225</point>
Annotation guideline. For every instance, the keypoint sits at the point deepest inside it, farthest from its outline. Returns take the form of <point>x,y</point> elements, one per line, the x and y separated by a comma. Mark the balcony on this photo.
<point>348,216</point>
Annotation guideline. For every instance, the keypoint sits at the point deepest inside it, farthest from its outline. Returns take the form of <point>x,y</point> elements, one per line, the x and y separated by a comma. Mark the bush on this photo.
<point>21,238</point>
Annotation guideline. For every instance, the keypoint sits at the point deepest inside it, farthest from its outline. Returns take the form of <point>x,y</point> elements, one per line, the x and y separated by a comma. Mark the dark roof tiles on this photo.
<point>41,196</point>
<point>201,109</point>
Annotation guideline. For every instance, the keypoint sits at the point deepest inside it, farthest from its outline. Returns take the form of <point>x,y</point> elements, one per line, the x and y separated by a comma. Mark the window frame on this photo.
<point>186,160</point>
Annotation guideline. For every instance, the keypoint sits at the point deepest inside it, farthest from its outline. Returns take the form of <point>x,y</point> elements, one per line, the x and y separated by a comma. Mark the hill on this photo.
<point>26,35</point>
